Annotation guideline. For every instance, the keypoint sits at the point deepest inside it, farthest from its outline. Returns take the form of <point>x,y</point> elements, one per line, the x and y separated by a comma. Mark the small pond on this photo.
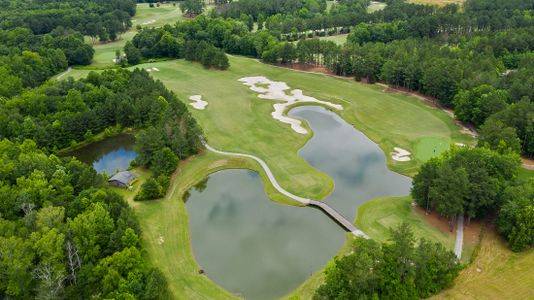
<point>109,155</point>
<point>259,249</point>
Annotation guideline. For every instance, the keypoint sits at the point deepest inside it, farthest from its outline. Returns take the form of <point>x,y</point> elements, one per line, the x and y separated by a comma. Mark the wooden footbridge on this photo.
<point>332,213</point>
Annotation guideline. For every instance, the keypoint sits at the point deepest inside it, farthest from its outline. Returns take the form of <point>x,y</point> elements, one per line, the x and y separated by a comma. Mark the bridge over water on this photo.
<point>332,213</point>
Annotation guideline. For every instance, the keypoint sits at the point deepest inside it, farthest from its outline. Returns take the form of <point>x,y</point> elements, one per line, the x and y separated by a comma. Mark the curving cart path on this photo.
<point>323,206</point>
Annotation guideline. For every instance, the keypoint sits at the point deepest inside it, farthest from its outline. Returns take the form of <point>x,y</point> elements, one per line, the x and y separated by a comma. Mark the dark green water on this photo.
<point>109,155</point>
<point>259,249</point>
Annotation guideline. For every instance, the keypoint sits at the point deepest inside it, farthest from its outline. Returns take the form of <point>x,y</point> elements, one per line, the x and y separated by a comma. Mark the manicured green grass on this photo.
<point>526,174</point>
<point>339,39</point>
<point>237,120</point>
<point>376,217</point>
<point>428,147</point>
<point>166,13</point>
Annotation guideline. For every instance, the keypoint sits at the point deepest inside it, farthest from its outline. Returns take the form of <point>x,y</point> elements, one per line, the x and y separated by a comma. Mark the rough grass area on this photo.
<point>496,273</point>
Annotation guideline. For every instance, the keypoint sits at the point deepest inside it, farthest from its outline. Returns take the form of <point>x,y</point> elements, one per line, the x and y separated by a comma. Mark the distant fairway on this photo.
<point>237,120</point>
<point>339,39</point>
<point>145,17</point>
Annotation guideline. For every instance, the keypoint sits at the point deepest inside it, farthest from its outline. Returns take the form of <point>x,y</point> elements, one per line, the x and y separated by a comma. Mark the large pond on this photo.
<point>259,249</point>
<point>109,155</point>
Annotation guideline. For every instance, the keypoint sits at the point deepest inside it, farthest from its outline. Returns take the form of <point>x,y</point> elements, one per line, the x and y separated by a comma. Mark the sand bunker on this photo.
<point>152,69</point>
<point>198,103</point>
<point>275,90</point>
<point>148,22</point>
<point>400,154</point>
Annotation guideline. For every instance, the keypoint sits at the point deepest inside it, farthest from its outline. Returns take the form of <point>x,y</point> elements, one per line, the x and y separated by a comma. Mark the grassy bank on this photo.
<point>496,273</point>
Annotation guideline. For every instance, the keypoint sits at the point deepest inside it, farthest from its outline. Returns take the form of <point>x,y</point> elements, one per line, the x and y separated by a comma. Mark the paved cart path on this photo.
<point>458,245</point>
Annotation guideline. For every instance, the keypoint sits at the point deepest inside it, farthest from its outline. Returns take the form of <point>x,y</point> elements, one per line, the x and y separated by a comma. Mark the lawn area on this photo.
<point>166,13</point>
<point>496,273</point>
<point>339,39</point>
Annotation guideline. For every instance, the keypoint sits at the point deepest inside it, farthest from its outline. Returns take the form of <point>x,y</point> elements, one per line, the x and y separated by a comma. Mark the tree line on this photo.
<point>402,268</point>
<point>477,183</point>
<point>27,60</point>
<point>455,68</point>
<point>102,19</point>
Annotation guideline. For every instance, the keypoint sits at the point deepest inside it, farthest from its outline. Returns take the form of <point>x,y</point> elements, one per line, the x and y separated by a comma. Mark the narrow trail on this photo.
<point>323,206</point>
<point>64,73</point>
<point>458,244</point>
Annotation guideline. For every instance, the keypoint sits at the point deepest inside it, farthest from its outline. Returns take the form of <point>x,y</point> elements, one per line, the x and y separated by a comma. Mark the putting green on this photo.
<point>428,147</point>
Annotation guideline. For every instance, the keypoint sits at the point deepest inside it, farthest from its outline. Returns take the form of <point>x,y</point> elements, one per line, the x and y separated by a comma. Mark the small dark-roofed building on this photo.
<point>122,179</point>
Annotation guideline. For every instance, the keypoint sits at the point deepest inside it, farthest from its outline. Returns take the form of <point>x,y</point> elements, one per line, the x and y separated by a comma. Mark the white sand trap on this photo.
<point>460,144</point>
<point>400,154</point>
<point>198,102</point>
<point>148,22</point>
<point>155,69</point>
<point>152,69</point>
<point>275,90</point>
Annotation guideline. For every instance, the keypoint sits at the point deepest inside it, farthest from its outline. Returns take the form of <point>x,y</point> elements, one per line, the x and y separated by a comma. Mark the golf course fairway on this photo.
<point>237,120</point>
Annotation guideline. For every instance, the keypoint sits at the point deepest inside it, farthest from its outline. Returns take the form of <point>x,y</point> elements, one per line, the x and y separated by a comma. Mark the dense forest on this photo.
<point>103,19</point>
<point>63,233</point>
<point>402,268</point>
